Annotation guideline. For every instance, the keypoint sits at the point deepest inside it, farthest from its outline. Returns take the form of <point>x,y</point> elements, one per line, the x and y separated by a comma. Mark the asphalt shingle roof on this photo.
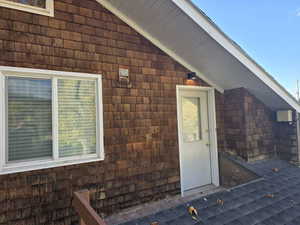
<point>244,205</point>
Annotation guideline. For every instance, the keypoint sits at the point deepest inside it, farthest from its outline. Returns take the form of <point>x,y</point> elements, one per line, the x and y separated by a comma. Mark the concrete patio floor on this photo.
<point>272,200</point>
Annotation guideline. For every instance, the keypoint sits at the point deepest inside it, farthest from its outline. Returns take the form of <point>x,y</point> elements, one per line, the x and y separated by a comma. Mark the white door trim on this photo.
<point>212,131</point>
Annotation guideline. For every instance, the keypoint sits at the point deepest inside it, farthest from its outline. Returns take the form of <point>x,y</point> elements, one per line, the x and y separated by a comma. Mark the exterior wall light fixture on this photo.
<point>191,76</point>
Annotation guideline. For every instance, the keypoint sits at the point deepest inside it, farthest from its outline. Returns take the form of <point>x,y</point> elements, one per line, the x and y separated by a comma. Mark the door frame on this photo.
<point>212,124</point>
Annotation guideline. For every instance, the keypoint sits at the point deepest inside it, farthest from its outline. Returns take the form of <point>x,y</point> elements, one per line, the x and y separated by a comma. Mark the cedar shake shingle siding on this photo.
<point>252,132</point>
<point>140,122</point>
<point>250,126</point>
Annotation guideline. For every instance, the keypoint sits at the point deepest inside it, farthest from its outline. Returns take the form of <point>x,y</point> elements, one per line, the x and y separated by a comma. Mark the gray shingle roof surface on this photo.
<point>244,205</point>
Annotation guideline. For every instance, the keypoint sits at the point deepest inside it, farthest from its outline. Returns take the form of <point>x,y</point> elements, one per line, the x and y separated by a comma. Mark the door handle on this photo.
<point>207,144</point>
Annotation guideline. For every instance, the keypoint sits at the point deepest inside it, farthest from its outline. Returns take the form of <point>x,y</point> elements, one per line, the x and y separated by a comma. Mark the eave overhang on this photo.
<point>185,33</point>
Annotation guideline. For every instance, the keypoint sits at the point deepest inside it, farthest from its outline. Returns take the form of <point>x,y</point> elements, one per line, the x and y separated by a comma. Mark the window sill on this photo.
<point>47,164</point>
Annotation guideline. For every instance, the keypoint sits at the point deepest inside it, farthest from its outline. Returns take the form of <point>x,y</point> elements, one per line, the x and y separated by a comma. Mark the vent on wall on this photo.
<point>285,116</point>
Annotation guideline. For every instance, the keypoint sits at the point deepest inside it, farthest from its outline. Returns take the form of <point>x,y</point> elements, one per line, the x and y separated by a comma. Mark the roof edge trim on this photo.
<point>157,43</point>
<point>234,49</point>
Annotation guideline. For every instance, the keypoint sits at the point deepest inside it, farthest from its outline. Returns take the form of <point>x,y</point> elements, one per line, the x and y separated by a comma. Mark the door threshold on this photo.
<point>206,189</point>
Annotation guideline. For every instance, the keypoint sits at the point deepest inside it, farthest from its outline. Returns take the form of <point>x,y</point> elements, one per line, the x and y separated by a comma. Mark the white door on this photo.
<point>195,160</point>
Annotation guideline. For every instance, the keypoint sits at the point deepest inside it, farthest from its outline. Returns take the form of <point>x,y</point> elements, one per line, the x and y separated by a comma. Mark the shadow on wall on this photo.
<point>232,174</point>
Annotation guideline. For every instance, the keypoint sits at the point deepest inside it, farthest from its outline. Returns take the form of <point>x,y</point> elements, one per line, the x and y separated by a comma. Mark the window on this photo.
<point>29,118</point>
<point>50,119</point>
<point>191,123</point>
<point>43,7</point>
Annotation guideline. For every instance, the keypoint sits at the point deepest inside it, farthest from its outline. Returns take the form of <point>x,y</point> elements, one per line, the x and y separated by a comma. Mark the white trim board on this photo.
<point>157,43</point>
<point>2,121</point>
<point>205,23</point>
<point>212,130</point>
<point>27,71</point>
<point>48,11</point>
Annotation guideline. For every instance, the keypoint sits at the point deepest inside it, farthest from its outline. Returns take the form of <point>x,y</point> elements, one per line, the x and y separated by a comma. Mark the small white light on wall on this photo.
<point>124,78</point>
<point>124,73</point>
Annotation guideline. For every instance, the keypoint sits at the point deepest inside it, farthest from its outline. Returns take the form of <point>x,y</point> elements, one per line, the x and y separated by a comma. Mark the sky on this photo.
<point>268,30</point>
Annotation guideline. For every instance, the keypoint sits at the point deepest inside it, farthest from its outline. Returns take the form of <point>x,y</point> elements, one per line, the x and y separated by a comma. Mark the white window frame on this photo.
<point>13,167</point>
<point>48,11</point>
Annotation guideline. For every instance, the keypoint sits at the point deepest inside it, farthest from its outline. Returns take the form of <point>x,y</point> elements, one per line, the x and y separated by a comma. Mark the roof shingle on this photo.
<point>274,200</point>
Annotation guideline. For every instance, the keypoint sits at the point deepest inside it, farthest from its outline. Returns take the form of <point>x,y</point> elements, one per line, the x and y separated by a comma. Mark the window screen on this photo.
<point>29,120</point>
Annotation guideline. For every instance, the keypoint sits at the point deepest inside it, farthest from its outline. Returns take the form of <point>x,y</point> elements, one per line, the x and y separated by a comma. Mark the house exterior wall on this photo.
<point>260,124</point>
<point>250,126</point>
<point>287,140</point>
<point>234,121</point>
<point>252,131</point>
<point>140,120</point>
<point>220,118</point>
<point>140,125</point>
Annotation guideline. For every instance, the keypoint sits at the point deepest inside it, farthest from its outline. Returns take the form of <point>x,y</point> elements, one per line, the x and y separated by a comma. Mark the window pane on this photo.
<point>77,117</point>
<point>191,119</point>
<point>37,3</point>
<point>29,118</point>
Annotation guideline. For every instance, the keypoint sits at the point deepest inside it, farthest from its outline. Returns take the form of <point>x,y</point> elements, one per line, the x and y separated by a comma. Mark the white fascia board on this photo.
<point>156,42</point>
<point>206,24</point>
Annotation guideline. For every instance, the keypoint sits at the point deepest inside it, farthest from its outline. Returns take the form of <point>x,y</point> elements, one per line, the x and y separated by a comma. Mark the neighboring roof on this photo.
<point>244,205</point>
<point>185,33</point>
